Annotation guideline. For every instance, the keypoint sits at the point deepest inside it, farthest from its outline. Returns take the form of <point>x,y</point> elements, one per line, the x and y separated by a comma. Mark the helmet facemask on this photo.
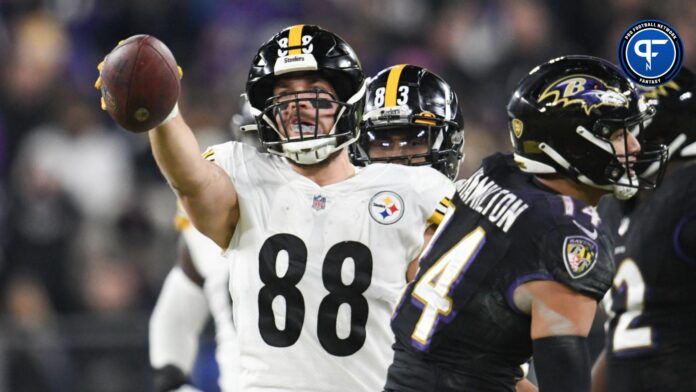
<point>412,117</point>
<point>619,173</point>
<point>306,126</point>
<point>627,172</point>
<point>421,136</point>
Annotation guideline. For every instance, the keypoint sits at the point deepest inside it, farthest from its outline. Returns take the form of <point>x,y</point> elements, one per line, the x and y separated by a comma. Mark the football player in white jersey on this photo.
<point>319,248</point>
<point>419,124</point>
<point>420,134</point>
<point>194,289</point>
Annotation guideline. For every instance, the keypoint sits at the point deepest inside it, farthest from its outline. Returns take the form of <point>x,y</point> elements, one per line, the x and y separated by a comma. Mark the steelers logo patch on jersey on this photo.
<point>580,255</point>
<point>386,207</point>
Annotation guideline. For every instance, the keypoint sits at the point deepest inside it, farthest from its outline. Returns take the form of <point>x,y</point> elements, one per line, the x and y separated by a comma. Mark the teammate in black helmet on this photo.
<point>412,116</point>
<point>519,262</point>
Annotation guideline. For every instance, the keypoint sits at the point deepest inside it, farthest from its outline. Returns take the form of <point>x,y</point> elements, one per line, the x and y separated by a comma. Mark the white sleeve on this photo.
<point>435,190</point>
<point>235,159</point>
<point>206,255</point>
<point>178,318</point>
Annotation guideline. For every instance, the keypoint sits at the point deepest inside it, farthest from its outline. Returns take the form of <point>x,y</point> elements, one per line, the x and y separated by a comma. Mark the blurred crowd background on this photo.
<point>86,232</point>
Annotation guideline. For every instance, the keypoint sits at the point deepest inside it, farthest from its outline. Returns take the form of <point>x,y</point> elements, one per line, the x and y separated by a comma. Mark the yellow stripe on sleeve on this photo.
<point>295,39</point>
<point>436,218</point>
<point>393,85</point>
<point>440,211</point>
<point>446,202</point>
<point>207,154</point>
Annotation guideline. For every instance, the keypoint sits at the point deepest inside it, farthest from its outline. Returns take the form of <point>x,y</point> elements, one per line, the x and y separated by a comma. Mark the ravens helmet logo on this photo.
<point>584,90</point>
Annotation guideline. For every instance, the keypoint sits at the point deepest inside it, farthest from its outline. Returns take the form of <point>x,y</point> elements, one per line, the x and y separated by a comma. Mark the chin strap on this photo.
<point>309,152</point>
<point>623,192</point>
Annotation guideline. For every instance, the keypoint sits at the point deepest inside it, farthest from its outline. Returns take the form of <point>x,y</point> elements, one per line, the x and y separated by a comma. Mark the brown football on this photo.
<point>140,83</point>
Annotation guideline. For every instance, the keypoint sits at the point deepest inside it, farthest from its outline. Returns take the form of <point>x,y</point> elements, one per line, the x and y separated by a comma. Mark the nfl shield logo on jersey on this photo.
<point>580,255</point>
<point>386,207</point>
<point>319,202</point>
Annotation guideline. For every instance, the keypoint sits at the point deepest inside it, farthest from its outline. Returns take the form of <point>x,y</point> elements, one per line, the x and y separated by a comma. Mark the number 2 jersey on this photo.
<point>651,336</point>
<point>317,271</point>
<point>457,327</point>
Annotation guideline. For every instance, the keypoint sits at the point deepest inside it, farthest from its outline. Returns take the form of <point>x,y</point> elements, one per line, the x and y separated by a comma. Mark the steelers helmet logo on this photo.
<point>386,207</point>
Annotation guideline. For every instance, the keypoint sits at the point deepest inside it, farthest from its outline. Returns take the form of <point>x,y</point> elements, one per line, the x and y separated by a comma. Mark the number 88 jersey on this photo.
<point>316,271</point>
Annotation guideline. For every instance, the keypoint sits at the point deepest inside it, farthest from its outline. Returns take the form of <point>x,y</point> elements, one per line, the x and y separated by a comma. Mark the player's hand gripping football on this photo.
<point>140,83</point>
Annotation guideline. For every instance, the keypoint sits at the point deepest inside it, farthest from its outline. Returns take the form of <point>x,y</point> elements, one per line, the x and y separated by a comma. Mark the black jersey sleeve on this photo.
<point>579,257</point>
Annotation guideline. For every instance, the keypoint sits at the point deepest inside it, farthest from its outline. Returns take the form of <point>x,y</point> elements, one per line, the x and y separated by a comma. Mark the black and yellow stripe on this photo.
<point>209,154</point>
<point>392,87</point>
<point>440,211</point>
<point>295,40</point>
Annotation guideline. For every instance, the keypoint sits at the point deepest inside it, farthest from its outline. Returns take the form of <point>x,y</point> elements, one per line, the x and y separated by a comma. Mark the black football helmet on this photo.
<point>306,48</point>
<point>674,124</point>
<point>410,105</point>
<point>562,115</point>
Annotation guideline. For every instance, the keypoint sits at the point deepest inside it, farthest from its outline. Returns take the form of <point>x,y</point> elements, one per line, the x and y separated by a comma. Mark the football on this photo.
<point>140,83</point>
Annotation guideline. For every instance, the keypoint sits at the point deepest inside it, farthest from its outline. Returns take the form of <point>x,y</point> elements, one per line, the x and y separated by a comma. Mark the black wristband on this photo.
<point>169,378</point>
<point>562,364</point>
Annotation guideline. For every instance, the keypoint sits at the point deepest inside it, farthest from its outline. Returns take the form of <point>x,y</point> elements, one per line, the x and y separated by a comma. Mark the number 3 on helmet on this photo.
<point>411,106</point>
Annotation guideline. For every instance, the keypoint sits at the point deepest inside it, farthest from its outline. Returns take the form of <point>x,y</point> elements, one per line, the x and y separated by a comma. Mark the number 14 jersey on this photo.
<point>458,327</point>
<point>316,271</point>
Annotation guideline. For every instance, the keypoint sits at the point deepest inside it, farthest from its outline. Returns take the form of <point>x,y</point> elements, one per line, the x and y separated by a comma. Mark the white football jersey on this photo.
<point>213,267</point>
<point>316,271</point>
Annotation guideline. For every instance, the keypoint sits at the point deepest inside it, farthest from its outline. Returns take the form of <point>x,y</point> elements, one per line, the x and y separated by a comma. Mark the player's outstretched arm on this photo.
<point>561,320</point>
<point>204,189</point>
<point>140,85</point>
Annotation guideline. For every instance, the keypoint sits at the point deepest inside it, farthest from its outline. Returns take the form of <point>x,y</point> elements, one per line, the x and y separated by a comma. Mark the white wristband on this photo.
<point>171,115</point>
